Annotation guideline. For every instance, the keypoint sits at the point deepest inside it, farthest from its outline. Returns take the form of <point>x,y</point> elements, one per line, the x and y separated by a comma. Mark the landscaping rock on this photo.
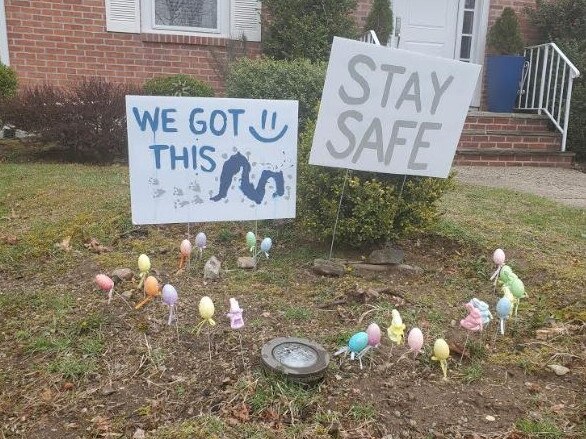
<point>211,270</point>
<point>328,267</point>
<point>559,370</point>
<point>121,274</point>
<point>410,268</point>
<point>246,262</point>
<point>386,256</point>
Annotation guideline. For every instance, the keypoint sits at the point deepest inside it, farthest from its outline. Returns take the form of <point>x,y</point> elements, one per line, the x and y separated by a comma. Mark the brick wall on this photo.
<point>361,12</point>
<point>61,41</point>
<point>528,31</point>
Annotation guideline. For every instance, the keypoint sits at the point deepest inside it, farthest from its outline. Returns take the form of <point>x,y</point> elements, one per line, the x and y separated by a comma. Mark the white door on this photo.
<point>454,29</point>
<point>426,26</point>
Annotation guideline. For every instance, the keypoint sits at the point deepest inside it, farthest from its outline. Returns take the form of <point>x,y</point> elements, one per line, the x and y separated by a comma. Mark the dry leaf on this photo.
<point>9,239</point>
<point>64,245</point>
<point>46,394</point>
<point>95,246</point>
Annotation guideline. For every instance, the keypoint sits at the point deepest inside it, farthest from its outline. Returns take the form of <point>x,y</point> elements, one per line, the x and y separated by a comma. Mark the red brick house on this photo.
<point>60,41</point>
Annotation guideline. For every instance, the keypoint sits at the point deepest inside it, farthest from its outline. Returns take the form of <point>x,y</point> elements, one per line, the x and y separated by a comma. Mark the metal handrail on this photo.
<point>370,37</point>
<point>541,88</point>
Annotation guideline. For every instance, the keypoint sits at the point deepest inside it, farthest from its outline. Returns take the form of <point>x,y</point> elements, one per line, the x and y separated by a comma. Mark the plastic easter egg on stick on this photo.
<point>374,335</point>
<point>235,315</point>
<point>357,343</point>
<point>505,274</point>
<point>105,284</point>
<point>151,290</point>
<point>169,296</point>
<point>441,352</point>
<point>144,266</point>
<point>415,341</point>
<point>503,310</point>
<point>206,312</point>
<point>251,241</point>
<point>484,310</point>
<point>498,257</point>
<point>266,245</point>
<point>397,328</point>
<point>185,252</point>
<point>201,242</point>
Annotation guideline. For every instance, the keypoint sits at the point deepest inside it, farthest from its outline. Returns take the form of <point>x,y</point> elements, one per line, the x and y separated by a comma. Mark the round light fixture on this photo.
<point>298,359</point>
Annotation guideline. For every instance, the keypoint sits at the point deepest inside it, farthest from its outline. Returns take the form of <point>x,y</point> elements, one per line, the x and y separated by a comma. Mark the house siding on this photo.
<point>62,41</point>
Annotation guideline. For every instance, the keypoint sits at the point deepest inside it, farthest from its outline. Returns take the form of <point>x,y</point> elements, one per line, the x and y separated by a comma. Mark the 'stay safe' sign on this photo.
<point>393,111</point>
<point>211,159</point>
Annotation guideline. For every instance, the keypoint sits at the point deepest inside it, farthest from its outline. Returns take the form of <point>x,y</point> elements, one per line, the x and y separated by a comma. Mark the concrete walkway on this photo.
<point>565,186</point>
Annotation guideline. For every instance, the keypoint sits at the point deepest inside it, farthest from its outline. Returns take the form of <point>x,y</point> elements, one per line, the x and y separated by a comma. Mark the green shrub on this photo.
<point>278,79</point>
<point>87,122</point>
<point>504,36</point>
<point>305,28</point>
<point>177,85</point>
<point>380,20</point>
<point>372,211</point>
<point>8,81</point>
<point>564,22</point>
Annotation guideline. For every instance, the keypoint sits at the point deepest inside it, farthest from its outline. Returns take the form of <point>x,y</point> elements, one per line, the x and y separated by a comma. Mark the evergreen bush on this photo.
<point>177,85</point>
<point>504,36</point>
<point>8,81</point>
<point>380,19</point>
<point>372,211</point>
<point>305,28</point>
<point>265,78</point>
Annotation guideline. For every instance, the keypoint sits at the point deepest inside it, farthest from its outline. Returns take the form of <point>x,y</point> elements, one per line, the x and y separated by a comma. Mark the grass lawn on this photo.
<point>72,366</point>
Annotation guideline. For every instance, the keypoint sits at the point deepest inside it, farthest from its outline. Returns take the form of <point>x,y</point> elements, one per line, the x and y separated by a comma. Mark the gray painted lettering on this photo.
<point>391,70</point>
<point>395,139</point>
<point>419,143</point>
<point>347,132</point>
<point>439,90</point>
<point>412,82</point>
<point>376,128</point>
<point>357,59</point>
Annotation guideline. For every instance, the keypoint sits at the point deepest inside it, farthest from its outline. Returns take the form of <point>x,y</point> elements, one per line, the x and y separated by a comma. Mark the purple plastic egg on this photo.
<point>169,295</point>
<point>201,240</point>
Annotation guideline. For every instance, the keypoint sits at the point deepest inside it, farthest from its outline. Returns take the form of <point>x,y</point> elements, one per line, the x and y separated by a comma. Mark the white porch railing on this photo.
<point>370,37</point>
<point>546,86</point>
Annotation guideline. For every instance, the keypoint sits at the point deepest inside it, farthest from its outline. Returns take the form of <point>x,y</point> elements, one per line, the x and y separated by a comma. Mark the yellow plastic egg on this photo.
<point>144,263</point>
<point>206,308</point>
<point>151,286</point>
<point>441,350</point>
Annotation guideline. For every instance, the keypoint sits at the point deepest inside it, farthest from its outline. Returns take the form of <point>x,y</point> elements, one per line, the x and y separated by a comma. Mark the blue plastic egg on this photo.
<point>503,308</point>
<point>266,245</point>
<point>358,342</point>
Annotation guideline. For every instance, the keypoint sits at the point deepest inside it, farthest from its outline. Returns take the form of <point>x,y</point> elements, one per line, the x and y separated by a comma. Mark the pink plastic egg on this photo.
<point>415,340</point>
<point>104,282</point>
<point>498,257</point>
<point>374,334</point>
<point>185,247</point>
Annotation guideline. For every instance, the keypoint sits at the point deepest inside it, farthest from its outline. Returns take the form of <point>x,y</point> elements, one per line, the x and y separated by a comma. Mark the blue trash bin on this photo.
<point>503,74</point>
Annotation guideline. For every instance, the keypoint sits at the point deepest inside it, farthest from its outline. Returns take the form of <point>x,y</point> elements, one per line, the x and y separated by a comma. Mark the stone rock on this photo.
<point>127,294</point>
<point>139,434</point>
<point>121,274</point>
<point>410,268</point>
<point>108,390</point>
<point>386,256</point>
<point>559,370</point>
<point>211,269</point>
<point>370,267</point>
<point>246,262</point>
<point>328,267</point>
<point>490,418</point>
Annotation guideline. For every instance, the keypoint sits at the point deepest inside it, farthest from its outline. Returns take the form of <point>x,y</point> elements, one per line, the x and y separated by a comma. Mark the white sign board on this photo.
<point>211,159</point>
<point>390,110</point>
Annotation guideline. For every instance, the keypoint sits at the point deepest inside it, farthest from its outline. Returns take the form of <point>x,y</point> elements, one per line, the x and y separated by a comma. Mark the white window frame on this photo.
<point>4,58</point>
<point>148,24</point>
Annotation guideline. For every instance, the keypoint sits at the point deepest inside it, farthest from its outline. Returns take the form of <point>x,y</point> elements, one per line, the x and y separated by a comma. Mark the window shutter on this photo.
<point>123,16</point>
<point>245,19</point>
